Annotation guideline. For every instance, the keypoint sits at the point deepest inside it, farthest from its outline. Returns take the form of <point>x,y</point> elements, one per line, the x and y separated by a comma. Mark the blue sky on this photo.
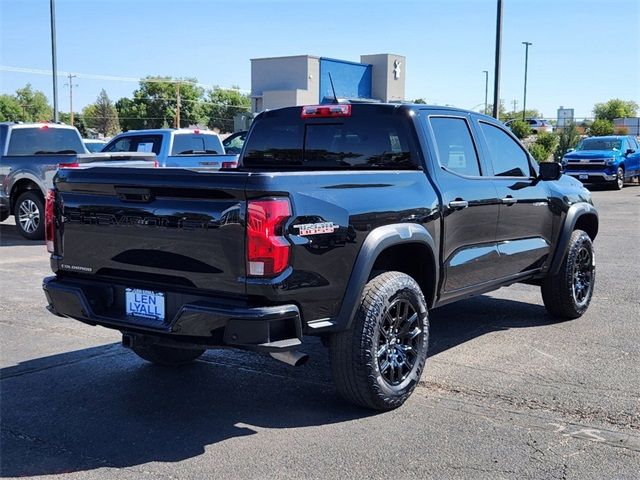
<point>583,51</point>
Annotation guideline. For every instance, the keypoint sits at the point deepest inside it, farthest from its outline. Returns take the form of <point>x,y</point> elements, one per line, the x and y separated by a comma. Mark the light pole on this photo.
<point>486,90</point>
<point>54,63</point>
<point>496,79</point>
<point>526,62</point>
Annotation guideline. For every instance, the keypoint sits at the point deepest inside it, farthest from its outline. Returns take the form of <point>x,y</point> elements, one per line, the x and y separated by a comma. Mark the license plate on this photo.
<point>584,177</point>
<point>145,304</point>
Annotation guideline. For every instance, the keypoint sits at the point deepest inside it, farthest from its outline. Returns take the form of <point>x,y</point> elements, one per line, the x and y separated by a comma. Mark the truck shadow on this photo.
<point>9,236</point>
<point>103,407</point>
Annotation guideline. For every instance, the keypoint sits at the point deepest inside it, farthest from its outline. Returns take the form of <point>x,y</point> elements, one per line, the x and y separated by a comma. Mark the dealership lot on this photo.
<point>507,393</point>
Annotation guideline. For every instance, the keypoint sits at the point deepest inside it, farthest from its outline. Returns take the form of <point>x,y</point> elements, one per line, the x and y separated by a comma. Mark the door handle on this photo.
<point>509,200</point>
<point>458,204</point>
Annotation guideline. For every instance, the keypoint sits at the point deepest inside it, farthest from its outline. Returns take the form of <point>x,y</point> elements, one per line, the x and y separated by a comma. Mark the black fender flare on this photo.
<point>376,242</point>
<point>575,211</point>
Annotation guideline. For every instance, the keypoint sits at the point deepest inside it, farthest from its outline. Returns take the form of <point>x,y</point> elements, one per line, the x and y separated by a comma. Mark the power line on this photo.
<point>92,76</point>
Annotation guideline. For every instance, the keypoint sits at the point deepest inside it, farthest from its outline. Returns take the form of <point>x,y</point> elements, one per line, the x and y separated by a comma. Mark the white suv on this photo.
<point>536,124</point>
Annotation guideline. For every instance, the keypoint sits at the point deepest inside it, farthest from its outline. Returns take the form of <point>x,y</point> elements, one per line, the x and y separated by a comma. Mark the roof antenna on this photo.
<point>335,97</point>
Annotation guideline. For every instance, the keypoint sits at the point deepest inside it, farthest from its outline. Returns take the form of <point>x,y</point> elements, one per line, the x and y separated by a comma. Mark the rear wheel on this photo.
<point>168,356</point>
<point>378,362</point>
<point>29,213</point>
<point>567,295</point>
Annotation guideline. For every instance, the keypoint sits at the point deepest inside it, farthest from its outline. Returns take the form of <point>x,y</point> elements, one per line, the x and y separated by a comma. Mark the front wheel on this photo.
<point>618,183</point>
<point>167,356</point>
<point>567,295</point>
<point>29,213</point>
<point>378,362</point>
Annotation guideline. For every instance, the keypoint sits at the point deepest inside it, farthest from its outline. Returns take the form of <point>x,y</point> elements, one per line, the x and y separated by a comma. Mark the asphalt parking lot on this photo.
<point>506,394</point>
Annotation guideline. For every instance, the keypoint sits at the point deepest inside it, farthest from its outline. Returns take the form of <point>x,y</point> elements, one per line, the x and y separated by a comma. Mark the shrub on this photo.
<point>569,138</point>
<point>520,129</point>
<point>547,140</point>
<point>622,131</point>
<point>538,152</point>
<point>601,127</point>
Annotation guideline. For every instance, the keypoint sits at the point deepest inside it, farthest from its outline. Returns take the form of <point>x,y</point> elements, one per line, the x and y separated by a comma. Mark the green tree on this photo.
<point>102,115</point>
<point>529,113</point>
<point>10,110</point>
<point>420,101</point>
<point>601,127</point>
<point>538,152</point>
<point>78,121</point>
<point>615,108</point>
<point>34,104</point>
<point>132,115</point>
<point>544,146</point>
<point>222,105</point>
<point>568,138</point>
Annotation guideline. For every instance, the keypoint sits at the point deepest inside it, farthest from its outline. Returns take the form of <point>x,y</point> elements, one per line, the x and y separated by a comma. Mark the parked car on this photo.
<point>30,154</point>
<point>93,144</point>
<point>349,222</point>
<point>611,160</point>
<point>536,124</point>
<point>234,142</point>
<point>187,148</point>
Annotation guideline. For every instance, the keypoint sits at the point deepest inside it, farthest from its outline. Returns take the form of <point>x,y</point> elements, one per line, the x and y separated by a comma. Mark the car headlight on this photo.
<point>610,161</point>
<point>564,162</point>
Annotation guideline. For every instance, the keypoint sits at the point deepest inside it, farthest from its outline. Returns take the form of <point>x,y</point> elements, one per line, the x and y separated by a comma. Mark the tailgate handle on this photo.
<point>142,195</point>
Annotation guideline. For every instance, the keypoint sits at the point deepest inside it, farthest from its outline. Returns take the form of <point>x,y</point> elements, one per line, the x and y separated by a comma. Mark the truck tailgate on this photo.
<point>174,228</point>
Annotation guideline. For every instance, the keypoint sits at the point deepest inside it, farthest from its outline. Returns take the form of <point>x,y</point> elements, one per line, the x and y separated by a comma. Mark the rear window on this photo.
<point>191,143</point>
<point>373,137</point>
<point>44,141</point>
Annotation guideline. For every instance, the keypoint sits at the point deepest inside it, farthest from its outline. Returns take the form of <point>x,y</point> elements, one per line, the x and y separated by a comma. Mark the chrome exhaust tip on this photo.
<point>291,357</point>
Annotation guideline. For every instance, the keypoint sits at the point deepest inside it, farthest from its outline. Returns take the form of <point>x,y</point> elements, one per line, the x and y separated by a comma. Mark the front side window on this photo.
<point>507,157</point>
<point>454,144</point>
<point>136,143</point>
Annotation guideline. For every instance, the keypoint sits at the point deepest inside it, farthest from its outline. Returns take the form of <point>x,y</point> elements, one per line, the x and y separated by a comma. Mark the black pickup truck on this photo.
<point>348,221</point>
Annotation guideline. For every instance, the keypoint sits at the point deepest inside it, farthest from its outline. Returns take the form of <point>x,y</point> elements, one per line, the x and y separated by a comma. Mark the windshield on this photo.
<point>599,144</point>
<point>94,146</point>
<point>44,141</point>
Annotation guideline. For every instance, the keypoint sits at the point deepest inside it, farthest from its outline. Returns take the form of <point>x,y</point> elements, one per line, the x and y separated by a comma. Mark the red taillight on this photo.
<point>267,249</point>
<point>229,164</point>
<point>324,111</point>
<point>49,220</point>
<point>156,164</point>
<point>69,165</point>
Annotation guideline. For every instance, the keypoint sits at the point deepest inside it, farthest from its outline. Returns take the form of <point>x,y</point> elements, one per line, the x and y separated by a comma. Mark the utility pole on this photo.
<point>496,80</point>
<point>526,62</point>
<point>54,63</point>
<point>71,85</point>
<point>177,122</point>
<point>486,90</point>
<point>515,105</point>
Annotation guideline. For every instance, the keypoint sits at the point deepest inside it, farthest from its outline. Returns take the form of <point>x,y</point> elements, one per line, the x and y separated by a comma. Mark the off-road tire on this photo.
<point>167,356</point>
<point>558,290</point>
<point>354,353</point>
<point>27,201</point>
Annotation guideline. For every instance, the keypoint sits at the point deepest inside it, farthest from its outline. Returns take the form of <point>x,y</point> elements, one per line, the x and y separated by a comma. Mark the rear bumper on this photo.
<point>192,319</point>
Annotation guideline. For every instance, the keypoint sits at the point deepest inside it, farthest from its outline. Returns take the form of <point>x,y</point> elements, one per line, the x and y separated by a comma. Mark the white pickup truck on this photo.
<point>182,148</point>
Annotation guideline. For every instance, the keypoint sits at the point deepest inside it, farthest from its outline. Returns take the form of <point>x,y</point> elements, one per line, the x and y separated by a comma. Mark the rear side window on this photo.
<point>507,157</point>
<point>136,143</point>
<point>373,137</point>
<point>456,151</point>
<point>44,141</point>
<point>190,143</point>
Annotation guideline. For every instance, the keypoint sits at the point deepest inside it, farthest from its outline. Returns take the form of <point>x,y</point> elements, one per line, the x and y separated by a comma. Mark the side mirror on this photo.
<point>571,150</point>
<point>630,151</point>
<point>550,171</point>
